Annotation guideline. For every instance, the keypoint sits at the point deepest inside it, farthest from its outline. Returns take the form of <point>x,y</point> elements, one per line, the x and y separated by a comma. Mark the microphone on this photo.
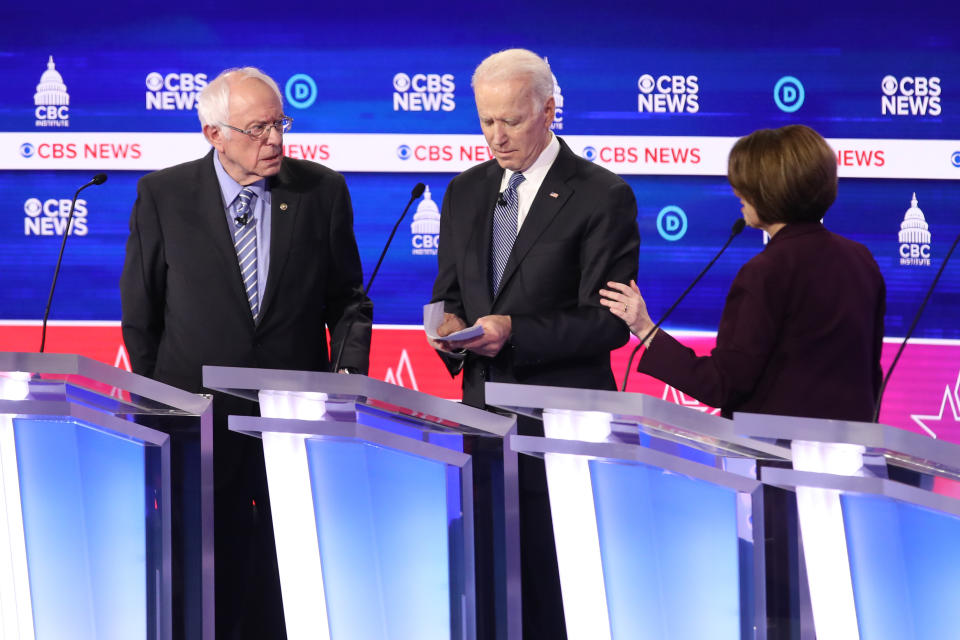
<point>100,178</point>
<point>734,232</point>
<point>241,221</point>
<point>416,193</point>
<point>913,325</point>
<point>501,200</point>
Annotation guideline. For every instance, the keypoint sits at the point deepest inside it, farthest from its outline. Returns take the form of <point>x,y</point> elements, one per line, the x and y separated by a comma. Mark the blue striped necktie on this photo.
<point>504,230</point>
<point>245,242</point>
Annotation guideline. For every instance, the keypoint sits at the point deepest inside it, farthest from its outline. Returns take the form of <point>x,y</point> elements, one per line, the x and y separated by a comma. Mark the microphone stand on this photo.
<point>100,178</point>
<point>737,228</point>
<point>913,325</point>
<point>416,193</point>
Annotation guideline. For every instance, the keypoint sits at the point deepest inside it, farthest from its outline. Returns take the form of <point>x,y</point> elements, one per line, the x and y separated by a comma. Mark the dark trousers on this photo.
<point>782,558</point>
<point>540,580</point>
<point>247,582</point>
<point>542,598</point>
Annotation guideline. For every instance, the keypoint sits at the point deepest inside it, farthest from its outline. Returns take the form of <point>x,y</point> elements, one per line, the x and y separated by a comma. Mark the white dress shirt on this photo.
<point>533,178</point>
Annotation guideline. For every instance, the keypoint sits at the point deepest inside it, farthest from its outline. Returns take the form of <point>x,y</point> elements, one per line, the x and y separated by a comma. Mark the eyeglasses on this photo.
<point>258,131</point>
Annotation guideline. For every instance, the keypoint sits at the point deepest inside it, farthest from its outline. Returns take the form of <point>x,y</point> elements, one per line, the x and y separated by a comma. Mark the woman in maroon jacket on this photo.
<point>802,326</point>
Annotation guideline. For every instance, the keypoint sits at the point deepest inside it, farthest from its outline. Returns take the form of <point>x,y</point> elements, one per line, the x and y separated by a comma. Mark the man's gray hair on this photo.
<point>517,63</point>
<point>213,104</point>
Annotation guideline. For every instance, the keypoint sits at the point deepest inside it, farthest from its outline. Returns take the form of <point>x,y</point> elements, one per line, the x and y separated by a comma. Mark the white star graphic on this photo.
<point>678,397</point>
<point>404,366</point>
<point>951,397</point>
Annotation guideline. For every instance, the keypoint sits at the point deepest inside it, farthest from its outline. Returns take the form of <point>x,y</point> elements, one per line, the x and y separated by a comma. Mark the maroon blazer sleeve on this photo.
<point>745,340</point>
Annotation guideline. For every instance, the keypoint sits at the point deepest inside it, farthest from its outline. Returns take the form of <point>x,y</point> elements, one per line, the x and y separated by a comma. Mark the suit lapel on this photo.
<point>553,194</point>
<point>478,244</point>
<point>210,207</point>
<point>283,216</point>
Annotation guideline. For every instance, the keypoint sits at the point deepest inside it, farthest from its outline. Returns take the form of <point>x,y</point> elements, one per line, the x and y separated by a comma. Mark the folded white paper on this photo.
<point>433,318</point>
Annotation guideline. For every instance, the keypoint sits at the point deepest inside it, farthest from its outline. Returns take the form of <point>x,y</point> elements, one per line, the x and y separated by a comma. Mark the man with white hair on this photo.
<point>526,242</point>
<point>242,258</point>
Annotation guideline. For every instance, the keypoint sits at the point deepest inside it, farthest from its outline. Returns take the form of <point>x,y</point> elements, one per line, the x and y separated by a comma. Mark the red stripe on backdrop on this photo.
<point>923,395</point>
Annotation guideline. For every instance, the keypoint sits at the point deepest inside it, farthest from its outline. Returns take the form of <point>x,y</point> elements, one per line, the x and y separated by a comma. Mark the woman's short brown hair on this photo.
<point>788,174</point>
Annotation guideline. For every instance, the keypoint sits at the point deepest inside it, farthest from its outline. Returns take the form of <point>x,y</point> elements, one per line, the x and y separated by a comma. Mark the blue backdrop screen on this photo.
<point>393,82</point>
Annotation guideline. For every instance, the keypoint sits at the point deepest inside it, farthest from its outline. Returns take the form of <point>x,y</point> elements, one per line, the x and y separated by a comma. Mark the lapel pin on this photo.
<point>554,194</point>
<point>283,206</point>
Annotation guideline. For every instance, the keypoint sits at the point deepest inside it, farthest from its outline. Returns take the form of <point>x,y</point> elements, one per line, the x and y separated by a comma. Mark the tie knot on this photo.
<point>515,180</point>
<point>244,198</point>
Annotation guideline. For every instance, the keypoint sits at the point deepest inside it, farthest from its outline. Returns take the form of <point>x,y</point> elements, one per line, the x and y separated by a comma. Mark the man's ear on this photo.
<point>214,136</point>
<point>549,110</point>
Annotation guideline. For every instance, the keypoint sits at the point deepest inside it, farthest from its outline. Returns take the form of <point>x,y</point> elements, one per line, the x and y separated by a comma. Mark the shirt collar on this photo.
<point>230,188</point>
<point>536,172</point>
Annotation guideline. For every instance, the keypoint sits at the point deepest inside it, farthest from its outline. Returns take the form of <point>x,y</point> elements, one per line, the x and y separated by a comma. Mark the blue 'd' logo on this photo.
<point>27,150</point>
<point>590,153</point>
<point>301,91</point>
<point>672,223</point>
<point>788,94</point>
<point>955,159</point>
<point>404,152</point>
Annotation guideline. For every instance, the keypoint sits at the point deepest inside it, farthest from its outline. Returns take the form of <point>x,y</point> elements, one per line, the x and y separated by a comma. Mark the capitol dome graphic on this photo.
<point>427,218</point>
<point>51,90</point>
<point>914,228</point>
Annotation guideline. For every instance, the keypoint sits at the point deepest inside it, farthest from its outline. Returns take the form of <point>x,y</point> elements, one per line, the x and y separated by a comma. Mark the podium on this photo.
<point>882,555</point>
<point>85,500</point>
<point>657,513</point>
<point>372,501</point>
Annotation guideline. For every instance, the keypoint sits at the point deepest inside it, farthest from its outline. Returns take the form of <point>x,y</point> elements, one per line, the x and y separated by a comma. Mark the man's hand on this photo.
<point>496,332</point>
<point>451,324</point>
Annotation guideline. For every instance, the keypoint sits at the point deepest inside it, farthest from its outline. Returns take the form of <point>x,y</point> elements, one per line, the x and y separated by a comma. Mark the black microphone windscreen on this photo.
<point>100,178</point>
<point>417,190</point>
<point>738,226</point>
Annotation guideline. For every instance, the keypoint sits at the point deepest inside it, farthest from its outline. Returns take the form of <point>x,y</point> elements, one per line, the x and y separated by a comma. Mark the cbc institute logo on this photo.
<point>51,100</point>
<point>425,228</point>
<point>914,237</point>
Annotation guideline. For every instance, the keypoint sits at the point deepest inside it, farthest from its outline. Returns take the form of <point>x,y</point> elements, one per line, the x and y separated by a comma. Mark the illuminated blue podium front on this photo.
<point>879,543</point>
<point>657,514</point>
<point>372,500</point>
<point>84,500</point>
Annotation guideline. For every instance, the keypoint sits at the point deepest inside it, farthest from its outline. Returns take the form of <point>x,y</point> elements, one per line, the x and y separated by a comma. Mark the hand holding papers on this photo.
<point>433,318</point>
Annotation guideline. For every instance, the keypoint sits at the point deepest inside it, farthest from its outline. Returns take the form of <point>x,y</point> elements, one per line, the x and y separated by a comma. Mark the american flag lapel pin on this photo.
<point>554,194</point>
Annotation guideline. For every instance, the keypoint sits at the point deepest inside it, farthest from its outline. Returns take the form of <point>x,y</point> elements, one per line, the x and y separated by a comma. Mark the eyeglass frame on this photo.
<point>282,125</point>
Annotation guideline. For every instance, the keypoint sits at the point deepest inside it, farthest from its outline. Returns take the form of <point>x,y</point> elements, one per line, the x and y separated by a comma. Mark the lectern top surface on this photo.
<point>348,391</point>
<point>634,413</point>
<point>77,379</point>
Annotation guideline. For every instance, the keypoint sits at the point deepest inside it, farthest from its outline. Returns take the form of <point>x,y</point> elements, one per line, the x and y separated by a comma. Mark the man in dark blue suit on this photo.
<point>526,241</point>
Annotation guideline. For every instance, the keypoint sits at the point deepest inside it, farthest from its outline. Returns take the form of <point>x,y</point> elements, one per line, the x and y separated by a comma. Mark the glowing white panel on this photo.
<point>294,521</point>
<point>575,523</point>
<point>16,610</point>
<point>824,538</point>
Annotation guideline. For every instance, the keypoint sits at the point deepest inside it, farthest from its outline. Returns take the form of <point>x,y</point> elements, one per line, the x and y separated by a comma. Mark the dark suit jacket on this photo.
<point>182,296</point>
<point>581,231</point>
<point>800,335</point>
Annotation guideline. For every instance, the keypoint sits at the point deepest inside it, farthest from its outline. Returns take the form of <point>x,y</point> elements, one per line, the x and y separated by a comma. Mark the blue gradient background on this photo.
<point>352,53</point>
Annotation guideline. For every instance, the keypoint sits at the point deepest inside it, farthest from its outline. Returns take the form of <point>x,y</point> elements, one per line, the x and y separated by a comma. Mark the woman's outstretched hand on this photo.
<point>625,302</point>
